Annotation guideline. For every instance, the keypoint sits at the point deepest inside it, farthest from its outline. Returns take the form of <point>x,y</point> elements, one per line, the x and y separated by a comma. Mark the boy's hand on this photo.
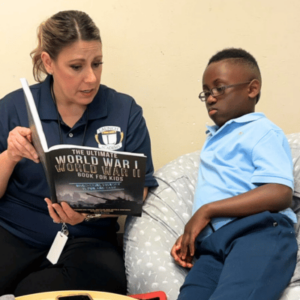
<point>192,229</point>
<point>175,252</point>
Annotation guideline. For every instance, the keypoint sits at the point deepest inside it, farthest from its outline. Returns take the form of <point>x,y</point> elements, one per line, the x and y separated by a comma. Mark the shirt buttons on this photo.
<point>275,224</point>
<point>70,134</point>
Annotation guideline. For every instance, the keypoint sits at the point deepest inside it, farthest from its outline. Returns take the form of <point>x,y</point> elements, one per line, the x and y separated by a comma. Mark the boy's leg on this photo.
<point>17,260</point>
<point>85,264</point>
<point>202,279</point>
<point>259,263</point>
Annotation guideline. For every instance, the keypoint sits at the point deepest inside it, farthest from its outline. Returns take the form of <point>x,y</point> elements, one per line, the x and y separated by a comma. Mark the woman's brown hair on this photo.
<point>59,31</point>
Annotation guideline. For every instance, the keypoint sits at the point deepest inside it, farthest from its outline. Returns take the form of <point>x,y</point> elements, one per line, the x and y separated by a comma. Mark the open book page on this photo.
<point>67,146</point>
<point>35,125</point>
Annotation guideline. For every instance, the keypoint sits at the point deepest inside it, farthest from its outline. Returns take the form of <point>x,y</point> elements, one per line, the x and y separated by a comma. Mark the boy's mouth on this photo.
<point>212,111</point>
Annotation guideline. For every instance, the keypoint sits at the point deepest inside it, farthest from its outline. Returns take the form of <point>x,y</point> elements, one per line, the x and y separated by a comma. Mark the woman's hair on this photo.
<point>59,31</point>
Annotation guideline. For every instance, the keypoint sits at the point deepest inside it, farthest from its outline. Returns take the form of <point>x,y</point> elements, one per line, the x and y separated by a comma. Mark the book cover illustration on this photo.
<point>98,181</point>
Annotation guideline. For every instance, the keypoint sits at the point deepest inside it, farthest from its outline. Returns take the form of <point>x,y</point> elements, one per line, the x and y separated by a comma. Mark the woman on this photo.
<point>73,107</point>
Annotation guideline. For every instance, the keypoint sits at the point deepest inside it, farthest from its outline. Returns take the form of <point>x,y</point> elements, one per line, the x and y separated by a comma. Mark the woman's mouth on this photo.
<point>87,93</point>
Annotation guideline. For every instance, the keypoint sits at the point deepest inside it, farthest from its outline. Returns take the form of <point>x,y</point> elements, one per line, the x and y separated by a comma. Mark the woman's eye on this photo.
<point>98,64</point>
<point>75,67</point>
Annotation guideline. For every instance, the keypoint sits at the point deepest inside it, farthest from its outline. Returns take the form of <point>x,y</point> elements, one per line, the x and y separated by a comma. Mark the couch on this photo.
<point>148,239</point>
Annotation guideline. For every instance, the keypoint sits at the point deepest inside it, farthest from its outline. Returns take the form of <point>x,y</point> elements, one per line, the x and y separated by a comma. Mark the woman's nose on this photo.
<point>90,76</point>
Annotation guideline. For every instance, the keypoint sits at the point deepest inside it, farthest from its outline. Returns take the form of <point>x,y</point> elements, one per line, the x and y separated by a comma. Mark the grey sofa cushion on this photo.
<point>294,141</point>
<point>148,240</point>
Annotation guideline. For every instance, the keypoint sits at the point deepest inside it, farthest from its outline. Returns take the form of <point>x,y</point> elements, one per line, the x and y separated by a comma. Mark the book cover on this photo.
<point>90,180</point>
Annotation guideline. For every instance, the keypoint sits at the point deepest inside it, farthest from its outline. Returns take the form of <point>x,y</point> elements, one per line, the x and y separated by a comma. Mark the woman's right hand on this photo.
<point>19,145</point>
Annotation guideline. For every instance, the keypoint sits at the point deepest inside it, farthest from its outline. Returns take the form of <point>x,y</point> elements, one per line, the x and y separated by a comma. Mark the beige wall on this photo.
<point>156,51</point>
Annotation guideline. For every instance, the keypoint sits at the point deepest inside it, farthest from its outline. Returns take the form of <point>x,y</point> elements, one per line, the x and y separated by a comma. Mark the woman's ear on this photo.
<point>48,62</point>
<point>254,89</point>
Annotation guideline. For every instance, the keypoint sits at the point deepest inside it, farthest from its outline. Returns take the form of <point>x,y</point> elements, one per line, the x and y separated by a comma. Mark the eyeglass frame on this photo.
<point>224,87</point>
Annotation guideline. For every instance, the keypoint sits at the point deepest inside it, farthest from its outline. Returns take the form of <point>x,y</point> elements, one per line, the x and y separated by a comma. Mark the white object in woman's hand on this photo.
<point>19,145</point>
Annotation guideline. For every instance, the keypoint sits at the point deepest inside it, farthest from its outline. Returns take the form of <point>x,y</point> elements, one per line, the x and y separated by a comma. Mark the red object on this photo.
<point>159,295</point>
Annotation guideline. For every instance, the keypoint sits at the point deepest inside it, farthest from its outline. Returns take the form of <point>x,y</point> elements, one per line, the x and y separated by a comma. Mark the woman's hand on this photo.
<point>19,145</point>
<point>63,213</point>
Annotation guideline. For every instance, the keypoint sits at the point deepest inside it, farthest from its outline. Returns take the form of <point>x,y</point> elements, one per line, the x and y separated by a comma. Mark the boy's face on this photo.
<point>235,101</point>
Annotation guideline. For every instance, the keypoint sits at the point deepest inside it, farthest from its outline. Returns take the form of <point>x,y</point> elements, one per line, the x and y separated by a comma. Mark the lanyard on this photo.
<point>64,228</point>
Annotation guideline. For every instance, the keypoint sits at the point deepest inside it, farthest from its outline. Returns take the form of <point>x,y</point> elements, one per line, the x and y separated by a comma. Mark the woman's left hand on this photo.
<point>63,213</point>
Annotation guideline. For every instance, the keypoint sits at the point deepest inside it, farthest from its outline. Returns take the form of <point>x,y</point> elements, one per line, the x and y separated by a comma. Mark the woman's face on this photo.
<point>77,73</point>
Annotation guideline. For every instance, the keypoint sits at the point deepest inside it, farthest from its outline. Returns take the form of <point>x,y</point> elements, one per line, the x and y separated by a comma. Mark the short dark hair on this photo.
<point>239,56</point>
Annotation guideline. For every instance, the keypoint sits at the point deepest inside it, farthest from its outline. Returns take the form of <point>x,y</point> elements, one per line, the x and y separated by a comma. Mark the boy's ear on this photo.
<point>47,61</point>
<point>254,88</point>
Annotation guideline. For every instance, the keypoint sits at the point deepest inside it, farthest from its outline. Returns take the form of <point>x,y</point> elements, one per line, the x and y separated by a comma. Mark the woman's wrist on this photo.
<point>10,161</point>
<point>7,167</point>
<point>7,162</point>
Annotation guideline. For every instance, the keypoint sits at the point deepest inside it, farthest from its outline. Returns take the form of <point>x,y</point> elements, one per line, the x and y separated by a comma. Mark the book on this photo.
<point>89,179</point>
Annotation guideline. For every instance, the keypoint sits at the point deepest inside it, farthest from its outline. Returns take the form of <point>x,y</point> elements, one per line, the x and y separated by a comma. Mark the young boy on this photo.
<point>242,227</point>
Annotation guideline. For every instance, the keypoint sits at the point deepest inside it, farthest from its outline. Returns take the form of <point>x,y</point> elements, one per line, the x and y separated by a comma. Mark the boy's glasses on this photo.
<point>217,91</point>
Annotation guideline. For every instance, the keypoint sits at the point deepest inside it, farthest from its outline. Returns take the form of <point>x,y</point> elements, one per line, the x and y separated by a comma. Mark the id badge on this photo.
<point>57,247</point>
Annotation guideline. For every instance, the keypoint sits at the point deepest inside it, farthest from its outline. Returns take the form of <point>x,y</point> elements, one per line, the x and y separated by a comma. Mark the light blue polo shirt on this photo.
<point>241,155</point>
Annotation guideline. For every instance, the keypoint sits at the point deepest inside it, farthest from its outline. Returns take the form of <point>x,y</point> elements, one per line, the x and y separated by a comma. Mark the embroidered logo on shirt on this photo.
<point>109,137</point>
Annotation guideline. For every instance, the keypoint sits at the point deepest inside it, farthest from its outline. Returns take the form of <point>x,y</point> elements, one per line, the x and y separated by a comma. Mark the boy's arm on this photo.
<point>268,197</point>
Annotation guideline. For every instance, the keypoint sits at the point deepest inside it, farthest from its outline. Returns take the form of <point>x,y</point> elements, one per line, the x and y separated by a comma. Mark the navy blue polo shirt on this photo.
<point>114,121</point>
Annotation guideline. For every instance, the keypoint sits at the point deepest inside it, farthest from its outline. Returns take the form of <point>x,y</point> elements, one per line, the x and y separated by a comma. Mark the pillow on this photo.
<point>148,240</point>
<point>294,141</point>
